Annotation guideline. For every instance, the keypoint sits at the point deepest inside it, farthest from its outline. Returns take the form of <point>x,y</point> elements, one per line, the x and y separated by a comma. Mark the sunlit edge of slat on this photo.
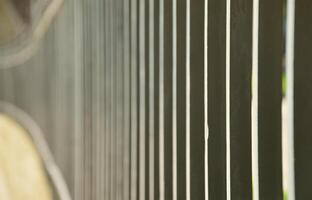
<point>206,101</point>
<point>254,103</point>
<point>228,99</point>
<point>290,37</point>
<point>188,103</point>
<point>174,100</point>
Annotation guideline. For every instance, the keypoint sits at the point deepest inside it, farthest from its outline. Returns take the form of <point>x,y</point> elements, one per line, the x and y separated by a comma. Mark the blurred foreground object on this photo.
<point>22,175</point>
<point>11,23</point>
<point>22,24</point>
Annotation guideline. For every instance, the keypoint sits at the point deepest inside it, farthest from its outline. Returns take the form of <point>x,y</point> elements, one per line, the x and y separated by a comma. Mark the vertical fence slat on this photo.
<point>100,101</point>
<point>102,98</point>
<point>87,102</point>
<point>302,99</point>
<point>151,99</point>
<point>240,98</point>
<point>168,97</point>
<point>113,155</point>
<point>119,101</point>
<point>161,103</point>
<point>174,100</point>
<point>216,99</point>
<point>181,100</point>
<point>147,97</point>
<point>270,99</point>
<point>142,98</point>
<point>78,108</point>
<point>134,114</point>
<point>139,100</point>
<point>196,75</point>
<point>288,128</point>
<point>157,100</point>
<point>92,132</point>
<point>126,101</point>
<point>109,96</point>
<point>107,100</point>
<point>96,106</point>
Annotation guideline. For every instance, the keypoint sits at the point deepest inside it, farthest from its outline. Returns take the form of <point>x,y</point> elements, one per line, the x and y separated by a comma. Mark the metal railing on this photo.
<point>175,99</point>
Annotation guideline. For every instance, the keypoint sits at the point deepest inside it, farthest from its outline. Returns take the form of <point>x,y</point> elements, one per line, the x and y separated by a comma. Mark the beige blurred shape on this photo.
<point>22,175</point>
<point>10,22</point>
<point>22,24</point>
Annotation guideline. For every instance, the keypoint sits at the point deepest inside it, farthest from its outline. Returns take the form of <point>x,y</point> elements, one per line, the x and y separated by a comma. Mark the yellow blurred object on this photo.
<point>22,175</point>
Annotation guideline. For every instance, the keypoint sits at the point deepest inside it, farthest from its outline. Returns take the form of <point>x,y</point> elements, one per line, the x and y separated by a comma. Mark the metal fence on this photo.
<point>175,99</point>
